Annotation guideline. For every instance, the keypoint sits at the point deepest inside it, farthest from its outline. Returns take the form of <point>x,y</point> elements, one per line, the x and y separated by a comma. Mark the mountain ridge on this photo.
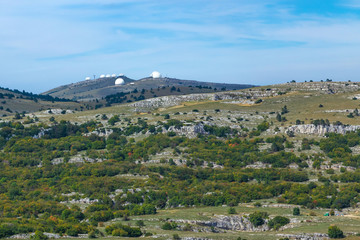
<point>101,87</point>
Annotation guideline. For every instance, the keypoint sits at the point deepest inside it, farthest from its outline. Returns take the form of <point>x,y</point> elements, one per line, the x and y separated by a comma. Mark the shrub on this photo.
<point>123,230</point>
<point>92,234</point>
<point>169,226</point>
<point>257,204</point>
<point>296,211</point>
<point>257,218</point>
<point>232,210</point>
<point>278,222</point>
<point>140,223</point>
<point>335,232</point>
<point>39,236</point>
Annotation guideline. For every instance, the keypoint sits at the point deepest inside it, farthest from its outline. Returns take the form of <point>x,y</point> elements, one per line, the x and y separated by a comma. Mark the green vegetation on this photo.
<point>258,218</point>
<point>296,211</point>
<point>335,232</point>
<point>278,221</point>
<point>123,231</point>
<point>119,173</point>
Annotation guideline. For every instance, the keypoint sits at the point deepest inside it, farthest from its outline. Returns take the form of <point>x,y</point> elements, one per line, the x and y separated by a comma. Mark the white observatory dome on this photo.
<point>87,78</point>
<point>155,75</point>
<point>108,75</point>
<point>113,75</point>
<point>121,75</point>
<point>119,81</point>
<point>102,76</point>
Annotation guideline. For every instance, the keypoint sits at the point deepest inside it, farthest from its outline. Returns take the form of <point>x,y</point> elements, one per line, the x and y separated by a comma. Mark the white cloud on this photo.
<point>45,39</point>
<point>351,3</point>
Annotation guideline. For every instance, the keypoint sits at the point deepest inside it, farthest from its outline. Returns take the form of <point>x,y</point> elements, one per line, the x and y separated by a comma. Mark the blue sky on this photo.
<point>44,44</point>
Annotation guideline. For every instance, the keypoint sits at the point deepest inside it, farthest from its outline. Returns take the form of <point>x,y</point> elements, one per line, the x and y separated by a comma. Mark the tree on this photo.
<point>39,236</point>
<point>17,116</point>
<point>257,218</point>
<point>169,226</point>
<point>284,110</point>
<point>140,223</point>
<point>278,222</point>
<point>296,211</point>
<point>232,210</point>
<point>335,232</point>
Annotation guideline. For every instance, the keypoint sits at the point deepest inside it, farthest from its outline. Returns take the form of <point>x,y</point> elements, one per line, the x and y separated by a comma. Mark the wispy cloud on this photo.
<point>242,41</point>
<point>351,3</point>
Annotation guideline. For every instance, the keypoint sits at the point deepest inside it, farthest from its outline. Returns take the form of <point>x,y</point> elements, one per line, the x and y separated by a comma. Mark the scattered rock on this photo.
<point>305,236</point>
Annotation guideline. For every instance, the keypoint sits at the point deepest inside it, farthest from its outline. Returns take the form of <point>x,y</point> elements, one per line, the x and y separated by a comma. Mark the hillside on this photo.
<point>272,162</point>
<point>102,87</point>
<point>14,101</point>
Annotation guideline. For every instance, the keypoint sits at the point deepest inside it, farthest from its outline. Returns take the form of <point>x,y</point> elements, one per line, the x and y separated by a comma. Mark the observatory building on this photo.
<point>155,75</point>
<point>119,81</point>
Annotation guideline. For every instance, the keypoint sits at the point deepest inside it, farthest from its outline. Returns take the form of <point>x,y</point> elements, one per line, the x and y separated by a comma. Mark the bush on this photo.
<point>296,211</point>
<point>257,218</point>
<point>140,223</point>
<point>169,226</point>
<point>278,222</point>
<point>72,232</point>
<point>232,210</point>
<point>335,232</point>
<point>92,234</point>
<point>123,230</point>
<point>39,236</point>
<point>257,204</point>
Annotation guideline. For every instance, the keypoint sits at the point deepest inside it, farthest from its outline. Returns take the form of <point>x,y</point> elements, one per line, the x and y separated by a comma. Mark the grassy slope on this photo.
<point>18,104</point>
<point>303,105</point>
<point>309,224</point>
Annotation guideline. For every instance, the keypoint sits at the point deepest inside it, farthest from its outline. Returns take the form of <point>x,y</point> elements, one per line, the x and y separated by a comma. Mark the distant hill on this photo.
<point>15,101</point>
<point>102,87</point>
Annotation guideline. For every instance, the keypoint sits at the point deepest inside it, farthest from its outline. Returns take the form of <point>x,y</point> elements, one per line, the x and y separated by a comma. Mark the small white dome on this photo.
<point>121,75</point>
<point>119,81</point>
<point>113,75</point>
<point>102,76</point>
<point>87,78</point>
<point>155,75</point>
<point>108,75</point>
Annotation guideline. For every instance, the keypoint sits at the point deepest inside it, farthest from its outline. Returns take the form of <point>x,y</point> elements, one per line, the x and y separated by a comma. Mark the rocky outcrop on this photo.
<point>305,236</point>
<point>76,159</point>
<point>100,133</point>
<point>221,222</point>
<point>322,87</point>
<point>29,235</point>
<point>188,131</point>
<point>195,238</point>
<point>58,111</point>
<point>321,129</point>
<point>81,201</point>
<point>169,101</point>
<point>237,223</point>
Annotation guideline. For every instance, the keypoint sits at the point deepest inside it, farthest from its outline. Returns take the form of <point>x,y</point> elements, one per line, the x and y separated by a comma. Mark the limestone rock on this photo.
<point>321,129</point>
